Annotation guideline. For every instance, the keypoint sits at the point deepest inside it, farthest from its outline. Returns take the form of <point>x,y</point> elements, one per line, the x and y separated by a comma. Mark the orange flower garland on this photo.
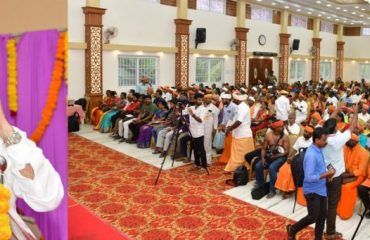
<point>52,98</point>
<point>12,75</point>
<point>5,231</point>
<point>66,57</point>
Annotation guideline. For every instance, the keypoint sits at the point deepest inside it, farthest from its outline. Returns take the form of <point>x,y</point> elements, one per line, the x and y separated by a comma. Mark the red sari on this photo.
<point>262,116</point>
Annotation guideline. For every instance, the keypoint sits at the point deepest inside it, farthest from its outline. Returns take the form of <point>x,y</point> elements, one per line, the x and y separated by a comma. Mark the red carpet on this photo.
<point>83,225</point>
<point>184,205</point>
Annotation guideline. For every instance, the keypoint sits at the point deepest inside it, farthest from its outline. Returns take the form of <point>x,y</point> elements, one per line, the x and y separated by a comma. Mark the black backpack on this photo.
<point>297,168</point>
<point>260,192</point>
<point>240,177</point>
<point>74,123</point>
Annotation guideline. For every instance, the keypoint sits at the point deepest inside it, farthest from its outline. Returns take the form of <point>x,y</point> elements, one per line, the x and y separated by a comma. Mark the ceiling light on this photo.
<point>298,10</point>
<point>319,15</point>
<point>353,13</point>
<point>363,9</point>
<point>357,7</point>
<point>328,17</point>
<point>352,23</point>
<point>318,2</point>
<point>286,7</point>
<point>309,13</point>
<point>344,21</point>
<point>345,10</point>
<point>361,15</point>
<point>337,19</point>
<point>273,4</point>
<point>328,5</point>
<point>337,8</point>
<point>259,0</point>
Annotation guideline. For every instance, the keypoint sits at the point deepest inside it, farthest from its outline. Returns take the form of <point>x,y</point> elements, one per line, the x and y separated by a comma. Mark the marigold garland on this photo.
<point>54,87</point>
<point>5,231</point>
<point>12,75</point>
<point>66,57</point>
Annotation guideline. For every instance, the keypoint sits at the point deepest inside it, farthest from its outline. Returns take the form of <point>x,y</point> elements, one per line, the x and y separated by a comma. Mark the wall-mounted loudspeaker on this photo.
<point>201,36</point>
<point>295,44</point>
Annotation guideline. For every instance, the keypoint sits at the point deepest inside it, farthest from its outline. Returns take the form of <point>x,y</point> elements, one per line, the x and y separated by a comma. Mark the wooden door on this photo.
<point>258,70</point>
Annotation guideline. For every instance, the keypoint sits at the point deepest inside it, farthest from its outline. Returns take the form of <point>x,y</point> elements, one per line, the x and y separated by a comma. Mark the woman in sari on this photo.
<point>145,135</point>
<point>98,111</point>
<point>260,122</point>
<point>105,124</point>
<point>341,125</point>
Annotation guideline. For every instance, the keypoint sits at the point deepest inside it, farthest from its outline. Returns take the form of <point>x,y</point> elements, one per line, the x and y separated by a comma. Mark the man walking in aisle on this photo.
<point>314,187</point>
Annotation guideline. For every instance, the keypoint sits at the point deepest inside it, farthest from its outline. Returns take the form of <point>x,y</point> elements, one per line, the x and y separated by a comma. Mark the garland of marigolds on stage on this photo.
<point>5,231</point>
<point>12,75</point>
<point>56,82</point>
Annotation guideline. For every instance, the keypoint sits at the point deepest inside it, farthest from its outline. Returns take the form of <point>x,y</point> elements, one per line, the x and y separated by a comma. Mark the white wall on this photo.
<point>328,47</point>
<point>357,47</point>
<point>305,38</point>
<point>76,74</point>
<point>76,21</point>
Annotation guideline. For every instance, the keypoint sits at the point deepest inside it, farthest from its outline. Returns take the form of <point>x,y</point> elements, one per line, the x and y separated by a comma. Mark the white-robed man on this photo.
<point>28,175</point>
<point>242,135</point>
<point>301,108</point>
<point>210,124</point>
<point>282,106</point>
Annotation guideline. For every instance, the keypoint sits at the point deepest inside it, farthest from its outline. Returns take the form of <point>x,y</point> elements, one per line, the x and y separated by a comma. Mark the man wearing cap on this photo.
<point>356,160</point>
<point>167,94</point>
<point>242,137</point>
<point>142,87</point>
<point>284,181</point>
<point>300,107</point>
<point>333,155</point>
<point>274,152</point>
<point>210,124</point>
<point>282,105</point>
<point>228,113</point>
<point>356,97</point>
<point>364,115</point>
<point>332,99</point>
<point>253,107</point>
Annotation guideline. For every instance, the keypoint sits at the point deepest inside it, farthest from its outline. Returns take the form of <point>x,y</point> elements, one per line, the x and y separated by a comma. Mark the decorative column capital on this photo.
<point>182,26</point>
<point>284,38</point>
<point>316,42</point>
<point>93,16</point>
<point>340,45</point>
<point>241,33</point>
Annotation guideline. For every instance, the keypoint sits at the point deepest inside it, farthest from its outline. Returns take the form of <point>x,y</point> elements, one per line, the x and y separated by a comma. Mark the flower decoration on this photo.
<point>12,75</point>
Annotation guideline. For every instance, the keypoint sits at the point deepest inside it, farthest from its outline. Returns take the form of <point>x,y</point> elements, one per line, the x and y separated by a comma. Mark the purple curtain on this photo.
<point>36,56</point>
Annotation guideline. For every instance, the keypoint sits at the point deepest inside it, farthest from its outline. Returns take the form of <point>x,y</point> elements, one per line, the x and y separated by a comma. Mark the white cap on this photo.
<point>225,89</point>
<point>238,97</point>
<point>254,89</point>
<point>269,87</point>
<point>243,89</point>
<point>225,96</point>
<point>252,99</point>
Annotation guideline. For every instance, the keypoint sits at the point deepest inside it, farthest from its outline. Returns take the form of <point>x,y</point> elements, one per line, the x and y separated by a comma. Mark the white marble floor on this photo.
<point>144,155</point>
<point>285,208</point>
<point>243,193</point>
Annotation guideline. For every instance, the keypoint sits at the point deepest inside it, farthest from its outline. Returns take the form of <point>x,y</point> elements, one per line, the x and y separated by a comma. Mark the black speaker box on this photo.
<point>201,35</point>
<point>295,44</point>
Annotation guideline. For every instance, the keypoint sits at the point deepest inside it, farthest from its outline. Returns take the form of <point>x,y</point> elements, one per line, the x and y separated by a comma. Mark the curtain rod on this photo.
<point>16,35</point>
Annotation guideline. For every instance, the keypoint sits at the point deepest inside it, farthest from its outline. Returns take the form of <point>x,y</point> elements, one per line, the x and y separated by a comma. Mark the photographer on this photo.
<point>274,152</point>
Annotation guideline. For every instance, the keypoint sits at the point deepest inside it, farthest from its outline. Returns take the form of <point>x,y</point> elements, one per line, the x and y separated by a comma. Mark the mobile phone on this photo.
<point>330,167</point>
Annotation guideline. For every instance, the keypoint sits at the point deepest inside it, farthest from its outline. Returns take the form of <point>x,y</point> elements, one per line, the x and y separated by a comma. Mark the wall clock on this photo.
<point>262,40</point>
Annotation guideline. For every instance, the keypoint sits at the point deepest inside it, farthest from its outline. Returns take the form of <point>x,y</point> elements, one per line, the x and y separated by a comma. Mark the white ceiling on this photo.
<point>347,12</point>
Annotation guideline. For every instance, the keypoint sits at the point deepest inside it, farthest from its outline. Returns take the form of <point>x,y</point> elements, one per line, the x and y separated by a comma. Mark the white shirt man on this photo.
<point>211,113</point>
<point>356,98</point>
<point>282,106</point>
<point>293,129</point>
<point>197,128</point>
<point>333,100</point>
<point>242,115</point>
<point>167,96</point>
<point>42,193</point>
<point>301,112</point>
<point>364,116</point>
<point>302,143</point>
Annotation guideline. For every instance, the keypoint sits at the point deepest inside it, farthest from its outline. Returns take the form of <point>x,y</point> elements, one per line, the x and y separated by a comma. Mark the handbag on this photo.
<point>218,141</point>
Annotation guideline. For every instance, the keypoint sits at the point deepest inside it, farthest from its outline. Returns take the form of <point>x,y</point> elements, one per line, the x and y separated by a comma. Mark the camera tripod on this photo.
<point>174,140</point>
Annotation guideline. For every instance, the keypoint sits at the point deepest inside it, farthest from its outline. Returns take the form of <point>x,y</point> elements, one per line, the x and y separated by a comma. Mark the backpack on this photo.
<point>240,177</point>
<point>260,192</point>
<point>297,168</point>
<point>74,123</point>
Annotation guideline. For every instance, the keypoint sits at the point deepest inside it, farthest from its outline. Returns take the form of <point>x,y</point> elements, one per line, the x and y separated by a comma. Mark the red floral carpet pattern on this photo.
<point>184,205</point>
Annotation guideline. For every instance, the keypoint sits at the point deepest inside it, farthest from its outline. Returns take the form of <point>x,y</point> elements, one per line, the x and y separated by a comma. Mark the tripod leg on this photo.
<point>176,139</point>
<point>295,199</point>
<point>358,226</point>
<point>160,170</point>
<point>207,171</point>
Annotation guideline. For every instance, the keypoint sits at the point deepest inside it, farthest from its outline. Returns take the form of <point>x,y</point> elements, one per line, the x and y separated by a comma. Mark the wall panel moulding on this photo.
<point>135,48</point>
<point>169,2</point>
<point>212,51</point>
<point>361,60</point>
<point>77,45</point>
<point>352,31</point>
<point>302,57</point>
